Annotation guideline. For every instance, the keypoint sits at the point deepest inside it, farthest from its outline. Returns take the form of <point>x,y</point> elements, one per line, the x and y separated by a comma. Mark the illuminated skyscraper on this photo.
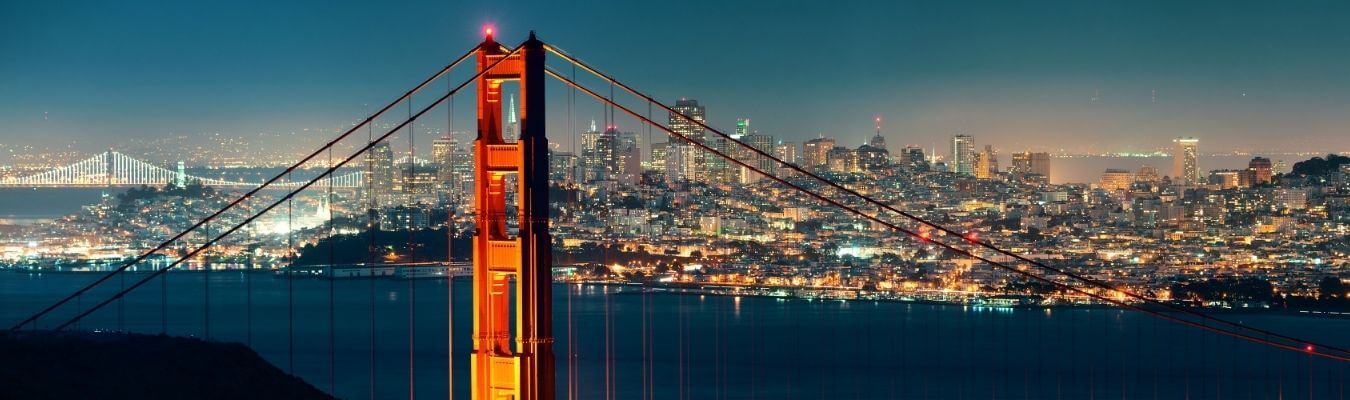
<point>815,152</point>
<point>380,171</point>
<point>986,163</point>
<point>512,129</point>
<point>787,151</point>
<point>440,158</point>
<point>877,140</point>
<point>1261,170</point>
<point>1031,163</point>
<point>913,157</point>
<point>718,169</point>
<point>591,165</point>
<point>761,142</point>
<point>742,128</point>
<point>659,155</point>
<point>562,167</point>
<point>685,161</point>
<point>842,159</point>
<point>963,154</point>
<point>1147,174</point>
<point>627,158</point>
<point>873,159</point>
<point>1116,179</point>
<point>1184,168</point>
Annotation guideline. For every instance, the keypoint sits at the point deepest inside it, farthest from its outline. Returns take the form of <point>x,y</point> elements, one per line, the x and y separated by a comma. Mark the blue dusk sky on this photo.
<point>1078,76</point>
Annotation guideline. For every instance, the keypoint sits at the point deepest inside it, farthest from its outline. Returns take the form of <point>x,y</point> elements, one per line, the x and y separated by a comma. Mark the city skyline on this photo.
<point>723,256</point>
<point>1130,77</point>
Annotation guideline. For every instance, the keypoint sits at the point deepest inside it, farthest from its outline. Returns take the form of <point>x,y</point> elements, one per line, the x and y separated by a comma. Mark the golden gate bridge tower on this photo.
<point>502,369</point>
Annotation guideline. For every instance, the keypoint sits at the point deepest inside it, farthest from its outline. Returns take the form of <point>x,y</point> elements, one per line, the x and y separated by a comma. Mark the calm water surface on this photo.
<point>709,347</point>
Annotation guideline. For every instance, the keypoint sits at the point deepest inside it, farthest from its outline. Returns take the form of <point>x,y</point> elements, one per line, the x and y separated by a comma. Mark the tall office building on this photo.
<point>873,159</point>
<point>877,140</point>
<point>742,128</point>
<point>718,169</point>
<point>963,154</point>
<point>1261,170</point>
<point>816,152</point>
<point>627,158</point>
<point>591,164</point>
<point>1184,168</point>
<point>1026,162</point>
<point>440,157</point>
<point>986,163</point>
<point>761,142</point>
<point>512,126</point>
<point>461,172</point>
<point>913,157</point>
<point>842,159</point>
<point>787,151</point>
<point>562,166</point>
<point>737,149</point>
<point>685,161</point>
<point>659,154</point>
<point>1147,174</point>
<point>1116,179</point>
<point>380,171</point>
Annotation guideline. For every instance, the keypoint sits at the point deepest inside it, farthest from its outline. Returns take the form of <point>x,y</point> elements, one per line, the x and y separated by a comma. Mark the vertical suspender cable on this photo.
<point>164,304</point>
<point>679,344</point>
<point>409,175</point>
<point>206,289</point>
<point>450,250</point>
<point>572,381</point>
<point>332,316</point>
<point>370,252</point>
<point>121,306</point>
<point>290,282</point>
<point>248,301</point>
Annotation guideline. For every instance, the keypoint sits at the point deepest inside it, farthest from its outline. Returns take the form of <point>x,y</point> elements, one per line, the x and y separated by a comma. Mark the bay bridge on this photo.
<point>112,169</point>
<point>676,342</point>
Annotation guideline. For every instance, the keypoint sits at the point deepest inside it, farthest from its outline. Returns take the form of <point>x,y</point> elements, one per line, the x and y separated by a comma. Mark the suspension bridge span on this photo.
<point>114,169</point>
<point>516,354</point>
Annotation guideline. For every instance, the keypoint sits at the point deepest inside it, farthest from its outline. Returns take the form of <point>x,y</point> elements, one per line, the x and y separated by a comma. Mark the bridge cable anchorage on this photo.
<point>328,171</point>
<point>1317,349</point>
<point>246,195</point>
<point>1300,342</point>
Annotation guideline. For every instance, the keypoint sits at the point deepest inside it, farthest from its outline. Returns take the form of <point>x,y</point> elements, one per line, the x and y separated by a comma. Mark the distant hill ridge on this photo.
<point>103,365</point>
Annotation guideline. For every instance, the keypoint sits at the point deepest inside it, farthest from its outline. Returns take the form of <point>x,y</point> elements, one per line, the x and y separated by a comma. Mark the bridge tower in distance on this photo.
<point>502,369</point>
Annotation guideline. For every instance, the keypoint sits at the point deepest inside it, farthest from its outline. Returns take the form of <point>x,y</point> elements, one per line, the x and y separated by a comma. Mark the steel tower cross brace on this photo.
<point>502,369</point>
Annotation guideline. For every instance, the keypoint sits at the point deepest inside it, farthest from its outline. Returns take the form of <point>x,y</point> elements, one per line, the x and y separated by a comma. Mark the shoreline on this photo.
<point>787,293</point>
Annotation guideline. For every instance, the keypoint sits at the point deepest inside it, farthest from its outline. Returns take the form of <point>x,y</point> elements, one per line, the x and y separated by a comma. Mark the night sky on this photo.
<point>1081,76</point>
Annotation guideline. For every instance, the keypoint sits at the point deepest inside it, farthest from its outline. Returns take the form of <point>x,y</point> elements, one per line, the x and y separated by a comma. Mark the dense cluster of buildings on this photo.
<point>672,212</point>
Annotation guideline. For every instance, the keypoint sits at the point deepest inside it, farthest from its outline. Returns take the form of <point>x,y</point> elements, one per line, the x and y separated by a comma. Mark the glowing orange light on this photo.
<point>487,30</point>
<point>923,235</point>
<point>972,236</point>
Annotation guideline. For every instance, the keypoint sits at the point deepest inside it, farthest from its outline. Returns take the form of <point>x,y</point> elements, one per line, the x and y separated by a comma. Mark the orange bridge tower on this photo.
<point>504,368</point>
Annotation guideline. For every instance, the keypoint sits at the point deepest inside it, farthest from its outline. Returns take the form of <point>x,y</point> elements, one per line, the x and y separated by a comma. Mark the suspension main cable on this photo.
<point>245,196</point>
<point>949,247</point>
<point>981,243</point>
<point>328,171</point>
